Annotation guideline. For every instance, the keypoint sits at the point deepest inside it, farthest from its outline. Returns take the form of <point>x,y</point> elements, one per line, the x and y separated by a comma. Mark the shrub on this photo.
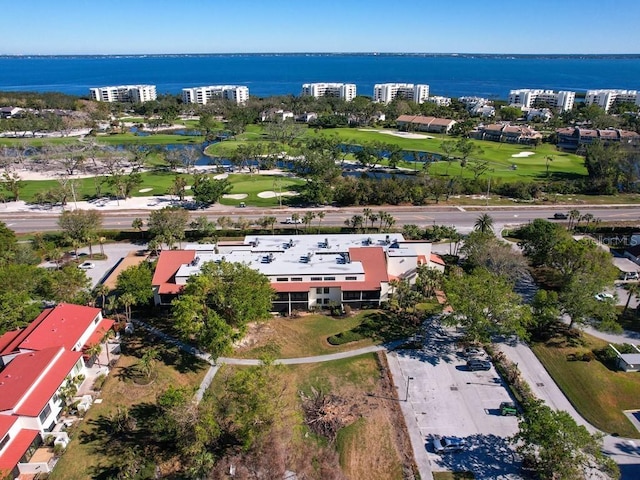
<point>99,382</point>
<point>345,337</point>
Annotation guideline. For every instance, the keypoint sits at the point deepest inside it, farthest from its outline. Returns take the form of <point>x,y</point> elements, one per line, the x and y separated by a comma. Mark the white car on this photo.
<point>448,444</point>
<point>86,265</point>
<point>292,220</point>
<point>604,296</point>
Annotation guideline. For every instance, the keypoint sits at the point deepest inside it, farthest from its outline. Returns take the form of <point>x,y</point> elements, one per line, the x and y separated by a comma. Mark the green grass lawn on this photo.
<point>599,394</point>
<point>89,454</point>
<point>252,185</point>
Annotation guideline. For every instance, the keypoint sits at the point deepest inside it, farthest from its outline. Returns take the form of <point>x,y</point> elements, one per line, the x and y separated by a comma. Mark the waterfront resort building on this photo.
<point>387,92</point>
<point>528,98</point>
<point>606,98</point>
<point>124,93</point>
<point>345,91</point>
<point>306,271</point>
<point>421,123</point>
<point>41,367</point>
<point>573,138</point>
<point>439,101</point>
<point>202,95</point>
<point>478,106</point>
<point>507,133</point>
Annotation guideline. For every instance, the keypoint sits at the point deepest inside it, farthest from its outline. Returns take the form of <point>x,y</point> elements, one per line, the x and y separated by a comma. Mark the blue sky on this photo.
<point>242,26</point>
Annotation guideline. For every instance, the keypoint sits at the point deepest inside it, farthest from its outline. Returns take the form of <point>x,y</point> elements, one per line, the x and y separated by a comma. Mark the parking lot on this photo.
<point>448,399</point>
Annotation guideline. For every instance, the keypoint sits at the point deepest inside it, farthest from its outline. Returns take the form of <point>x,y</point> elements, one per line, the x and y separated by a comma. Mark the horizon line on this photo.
<point>373,53</point>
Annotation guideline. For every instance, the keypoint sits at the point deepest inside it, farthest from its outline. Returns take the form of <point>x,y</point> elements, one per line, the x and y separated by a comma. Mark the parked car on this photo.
<point>508,408</point>
<point>448,444</point>
<point>471,352</point>
<point>603,296</point>
<point>560,216</point>
<point>475,364</point>
<point>86,265</point>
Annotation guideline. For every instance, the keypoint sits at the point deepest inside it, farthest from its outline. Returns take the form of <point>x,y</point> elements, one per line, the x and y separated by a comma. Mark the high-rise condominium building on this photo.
<point>124,93</point>
<point>345,91</point>
<point>202,95</point>
<point>562,100</point>
<point>606,98</point>
<point>387,92</point>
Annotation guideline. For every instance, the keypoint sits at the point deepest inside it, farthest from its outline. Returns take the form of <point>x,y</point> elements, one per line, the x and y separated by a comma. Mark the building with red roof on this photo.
<point>36,364</point>
<point>305,271</point>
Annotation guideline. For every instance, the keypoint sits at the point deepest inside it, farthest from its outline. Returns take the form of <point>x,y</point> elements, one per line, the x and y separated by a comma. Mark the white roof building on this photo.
<point>387,92</point>
<point>345,91</point>
<point>562,100</point>
<point>202,95</point>
<point>606,98</point>
<point>124,93</point>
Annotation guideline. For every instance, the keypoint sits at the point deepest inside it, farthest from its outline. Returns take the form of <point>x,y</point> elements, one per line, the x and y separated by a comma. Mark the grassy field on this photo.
<point>88,455</point>
<point>252,185</point>
<point>599,394</point>
<point>368,445</point>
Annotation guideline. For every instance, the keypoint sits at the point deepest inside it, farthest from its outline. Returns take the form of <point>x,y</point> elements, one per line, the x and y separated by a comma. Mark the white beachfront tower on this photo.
<point>124,93</point>
<point>526,97</point>
<point>202,95</point>
<point>387,92</point>
<point>345,91</point>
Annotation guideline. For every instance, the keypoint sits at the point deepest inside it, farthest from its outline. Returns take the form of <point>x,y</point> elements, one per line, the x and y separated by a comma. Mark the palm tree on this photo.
<point>108,335</point>
<point>94,352</point>
<point>574,215</point>
<point>588,217</point>
<point>295,217</point>
<point>137,224</point>
<point>307,219</point>
<point>484,223</point>
<point>148,361</point>
<point>101,291</point>
<point>320,216</point>
<point>366,214</point>
<point>373,218</point>
<point>389,222</point>
<point>548,159</point>
<point>271,221</point>
<point>127,300</point>
<point>634,290</point>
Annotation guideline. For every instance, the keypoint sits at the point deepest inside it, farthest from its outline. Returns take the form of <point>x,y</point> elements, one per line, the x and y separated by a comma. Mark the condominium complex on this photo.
<point>606,98</point>
<point>387,92</point>
<point>124,93</point>
<point>562,100</point>
<point>202,95</point>
<point>345,91</point>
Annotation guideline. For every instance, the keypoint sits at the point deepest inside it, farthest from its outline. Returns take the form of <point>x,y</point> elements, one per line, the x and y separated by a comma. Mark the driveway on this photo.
<point>444,398</point>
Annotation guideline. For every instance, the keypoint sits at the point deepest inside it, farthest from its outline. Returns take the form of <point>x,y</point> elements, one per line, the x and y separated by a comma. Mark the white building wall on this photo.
<point>605,98</point>
<point>345,91</point>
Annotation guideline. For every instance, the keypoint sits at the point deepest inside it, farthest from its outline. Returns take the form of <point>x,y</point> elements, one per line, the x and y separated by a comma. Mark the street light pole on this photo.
<point>406,395</point>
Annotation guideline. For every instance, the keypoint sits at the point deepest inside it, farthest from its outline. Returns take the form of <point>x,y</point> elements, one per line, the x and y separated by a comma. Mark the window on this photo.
<point>329,278</point>
<point>296,279</point>
<point>319,291</point>
<point>316,279</point>
<point>44,413</point>
<point>4,441</point>
<point>351,278</point>
<point>282,279</point>
<point>326,290</point>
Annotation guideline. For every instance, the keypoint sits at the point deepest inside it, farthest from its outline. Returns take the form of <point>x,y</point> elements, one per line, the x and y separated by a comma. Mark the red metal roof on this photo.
<point>31,379</point>
<point>168,264</point>
<point>62,325</point>
<point>436,259</point>
<point>97,336</point>
<point>16,449</point>
<point>20,335</point>
<point>6,422</point>
<point>7,339</point>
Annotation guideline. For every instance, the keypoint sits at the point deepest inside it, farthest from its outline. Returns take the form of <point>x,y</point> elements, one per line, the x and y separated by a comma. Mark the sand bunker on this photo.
<point>221,176</point>
<point>414,136</point>
<point>522,154</point>
<point>236,196</point>
<point>145,190</point>
<point>272,194</point>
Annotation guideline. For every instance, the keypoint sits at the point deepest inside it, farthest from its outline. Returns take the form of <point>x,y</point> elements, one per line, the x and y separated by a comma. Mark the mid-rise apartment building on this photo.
<point>124,93</point>
<point>202,95</point>
<point>562,100</point>
<point>345,91</point>
<point>606,98</point>
<point>387,92</point>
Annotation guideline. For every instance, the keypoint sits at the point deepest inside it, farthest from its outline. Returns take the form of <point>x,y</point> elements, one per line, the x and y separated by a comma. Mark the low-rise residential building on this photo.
<point>573,138</point>
<point>606,98</point>
<point>276,115</point>
<point>439,100</point>
<point>10,112</point>
<point>306,271</point>
<point>424,124</point>
<point>124,93</point>
<point>507,133</point>
<point>478,106</point>
<point>345,91</point>
<point>562,100</point>
<point>38,364</point>
<point>202,95</point>
<point>387,92</point>
<point>537,114</point>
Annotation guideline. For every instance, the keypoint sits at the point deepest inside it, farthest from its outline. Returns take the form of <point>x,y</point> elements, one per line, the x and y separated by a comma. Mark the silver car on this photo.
<point>448,444</point>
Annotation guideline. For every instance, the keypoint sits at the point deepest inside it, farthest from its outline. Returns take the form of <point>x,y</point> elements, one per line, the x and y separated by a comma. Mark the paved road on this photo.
<point>462,218</point>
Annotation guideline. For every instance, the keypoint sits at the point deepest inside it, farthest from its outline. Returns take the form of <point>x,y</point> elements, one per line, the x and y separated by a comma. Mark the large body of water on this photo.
<point>282,74</point>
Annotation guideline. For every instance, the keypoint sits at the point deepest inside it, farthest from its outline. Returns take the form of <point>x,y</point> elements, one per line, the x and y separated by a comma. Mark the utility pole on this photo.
<point>406,395</point>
